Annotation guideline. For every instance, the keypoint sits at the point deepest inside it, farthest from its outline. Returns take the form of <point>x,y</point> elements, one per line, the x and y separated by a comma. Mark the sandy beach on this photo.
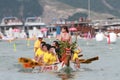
<point>106,68</point>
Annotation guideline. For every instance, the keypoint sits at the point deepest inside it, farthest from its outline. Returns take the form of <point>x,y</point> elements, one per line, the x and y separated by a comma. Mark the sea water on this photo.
<point>106,68</point>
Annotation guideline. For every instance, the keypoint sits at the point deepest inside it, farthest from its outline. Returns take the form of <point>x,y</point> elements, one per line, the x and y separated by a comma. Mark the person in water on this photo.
<point>65,36</point>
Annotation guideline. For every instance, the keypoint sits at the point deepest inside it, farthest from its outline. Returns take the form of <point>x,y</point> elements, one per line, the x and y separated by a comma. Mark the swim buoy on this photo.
<point>99,37</point>
<point>112,38</point>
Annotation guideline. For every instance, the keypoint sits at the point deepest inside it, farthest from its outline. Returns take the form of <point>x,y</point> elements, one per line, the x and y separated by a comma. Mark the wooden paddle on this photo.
<point>80,55</point>
<point>87,61</point>
<point>28,63</point>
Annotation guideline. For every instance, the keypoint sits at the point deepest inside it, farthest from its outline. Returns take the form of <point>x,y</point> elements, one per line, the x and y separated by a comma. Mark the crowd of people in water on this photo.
<point>48,53</point>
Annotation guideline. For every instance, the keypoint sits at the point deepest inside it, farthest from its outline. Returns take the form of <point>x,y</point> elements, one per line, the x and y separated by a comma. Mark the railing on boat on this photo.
<point>106,22</point>
<point>34,21</point>
<point>11,21</point>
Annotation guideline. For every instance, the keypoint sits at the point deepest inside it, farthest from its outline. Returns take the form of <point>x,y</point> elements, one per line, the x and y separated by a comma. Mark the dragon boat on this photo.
<point>66,61</point>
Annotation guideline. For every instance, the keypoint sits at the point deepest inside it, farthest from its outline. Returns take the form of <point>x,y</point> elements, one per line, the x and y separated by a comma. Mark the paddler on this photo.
<point>55,44</point>
<point>53,58</point>
<point>46,57</point>
<point>75,57</point>
<point>39,51</point>
<point>38,42</point>
<point>44,51</point>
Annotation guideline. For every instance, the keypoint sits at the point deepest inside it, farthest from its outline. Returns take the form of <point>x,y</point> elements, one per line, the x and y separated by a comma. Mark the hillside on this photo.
<point>72,9</point>
<point>102,6</point>
<point>49,9</point>
<point>20,8</point>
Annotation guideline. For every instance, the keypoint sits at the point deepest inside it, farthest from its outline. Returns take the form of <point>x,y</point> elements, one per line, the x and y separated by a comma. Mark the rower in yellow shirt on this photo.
<point>75,57</point>
<point>53,57</point>
<point>38,42</point>
<point>41,52</point>
<point>38,54</point>
<point>46,57</point>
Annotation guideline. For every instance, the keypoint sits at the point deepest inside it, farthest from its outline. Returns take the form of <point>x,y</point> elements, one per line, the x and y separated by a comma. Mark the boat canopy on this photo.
<point>34,21</point>
<point>11,21</point>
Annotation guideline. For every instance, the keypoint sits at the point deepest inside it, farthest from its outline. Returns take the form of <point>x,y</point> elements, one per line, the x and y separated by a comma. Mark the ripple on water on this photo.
<point>106,68</point>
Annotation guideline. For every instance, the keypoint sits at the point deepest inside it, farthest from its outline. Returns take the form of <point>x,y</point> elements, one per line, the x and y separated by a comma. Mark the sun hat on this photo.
<point>40,36</point>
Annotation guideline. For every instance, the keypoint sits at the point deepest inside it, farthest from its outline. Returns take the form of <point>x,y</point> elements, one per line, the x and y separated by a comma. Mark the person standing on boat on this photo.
<point>38,42</point>
<point>65,36</point>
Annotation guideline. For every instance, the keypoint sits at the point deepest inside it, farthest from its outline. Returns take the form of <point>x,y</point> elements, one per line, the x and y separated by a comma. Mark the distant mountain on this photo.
<point>102,6</point>
<point>20,8</point>
<point>74,9</point>
<point>49,9</point>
